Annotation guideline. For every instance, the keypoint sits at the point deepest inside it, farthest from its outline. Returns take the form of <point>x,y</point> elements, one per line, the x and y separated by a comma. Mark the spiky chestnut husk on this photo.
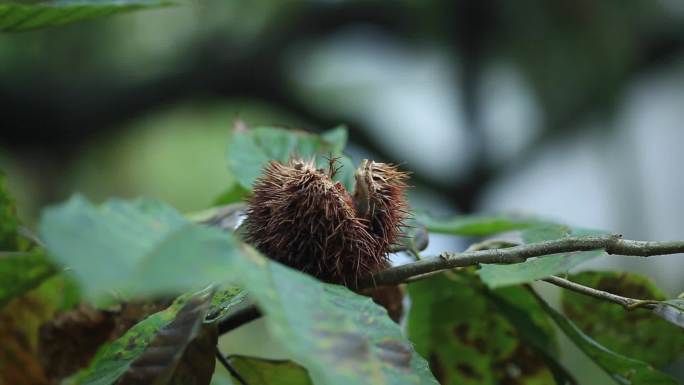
<point>300,217</point>
<point>379,198</point>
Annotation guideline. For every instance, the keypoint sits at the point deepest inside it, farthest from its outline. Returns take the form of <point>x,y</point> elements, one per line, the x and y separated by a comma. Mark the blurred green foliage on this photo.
<point>143,103</point>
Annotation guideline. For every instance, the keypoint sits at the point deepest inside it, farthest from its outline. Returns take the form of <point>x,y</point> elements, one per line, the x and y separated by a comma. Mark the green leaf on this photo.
<point>224,301</point>
<point>521,309</point>
<point>249,151</point>
<point>541,267</point>
<point>466,338</point>
<point>138,248</point>
<point>636,333</point>
<point>533,269</point>
<point>9,222</point>
<point>21,272</point>
<point>144,247</point>
<point>341,337</point>
<point>236,193</point>
<point>25,16</point>
<point>548,232</point>
<point>114,359</point>
<point>259,371</point>
<point>337,138</point>
<point>477,225</point>
<point>624,370</point>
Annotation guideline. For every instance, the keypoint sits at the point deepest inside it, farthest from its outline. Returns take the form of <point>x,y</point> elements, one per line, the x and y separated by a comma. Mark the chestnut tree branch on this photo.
<point>612,244</point>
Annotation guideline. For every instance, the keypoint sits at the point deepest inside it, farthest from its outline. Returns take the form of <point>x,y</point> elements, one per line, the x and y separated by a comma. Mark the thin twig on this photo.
<point>226,364</point>
<point>30,235</point>
<point>627,303</point>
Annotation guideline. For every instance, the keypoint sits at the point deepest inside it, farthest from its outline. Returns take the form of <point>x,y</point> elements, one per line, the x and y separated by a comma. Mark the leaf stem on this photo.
<point>226,364</point>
